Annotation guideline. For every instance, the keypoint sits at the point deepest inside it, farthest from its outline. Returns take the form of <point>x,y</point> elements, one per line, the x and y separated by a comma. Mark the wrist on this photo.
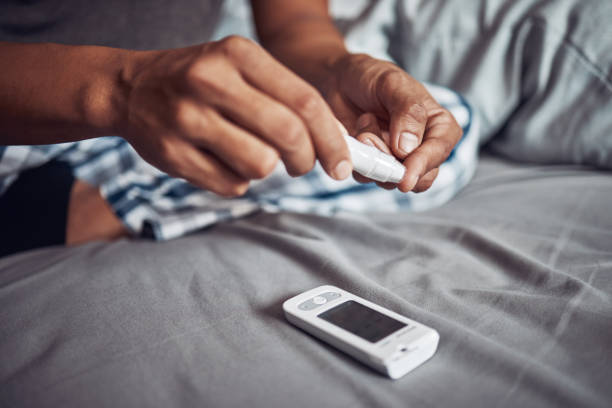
<point>327,71</point>
<point>107,97</point>
<point>103,98</point>
<point>310,47</point>
<point>52,93</point>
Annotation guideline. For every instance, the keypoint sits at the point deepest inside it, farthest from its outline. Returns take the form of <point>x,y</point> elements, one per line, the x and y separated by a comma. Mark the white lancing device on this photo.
<point>371,162</point>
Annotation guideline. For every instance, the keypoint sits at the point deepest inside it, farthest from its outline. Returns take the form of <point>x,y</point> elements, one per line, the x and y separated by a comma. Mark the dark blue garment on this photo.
<point>34,209</point>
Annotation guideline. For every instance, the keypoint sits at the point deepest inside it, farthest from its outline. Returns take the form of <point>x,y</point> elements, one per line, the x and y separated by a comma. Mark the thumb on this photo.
<point>407,124</point>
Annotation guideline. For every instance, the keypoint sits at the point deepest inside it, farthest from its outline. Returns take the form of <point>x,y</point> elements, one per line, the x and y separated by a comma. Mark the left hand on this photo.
<point>382,105</point>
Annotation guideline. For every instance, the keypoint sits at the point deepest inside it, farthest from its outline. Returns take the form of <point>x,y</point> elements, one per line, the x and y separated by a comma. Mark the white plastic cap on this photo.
<point>374,164</point>
<point>371,162</point>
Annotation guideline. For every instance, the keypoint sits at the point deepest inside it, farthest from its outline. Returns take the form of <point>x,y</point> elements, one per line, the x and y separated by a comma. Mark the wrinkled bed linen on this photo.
<point>538,72</point>
<point>515,273</point>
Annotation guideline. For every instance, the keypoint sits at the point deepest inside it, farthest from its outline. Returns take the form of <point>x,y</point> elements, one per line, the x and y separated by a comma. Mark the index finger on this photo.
<point>268,75</point>
<point>441,136</point>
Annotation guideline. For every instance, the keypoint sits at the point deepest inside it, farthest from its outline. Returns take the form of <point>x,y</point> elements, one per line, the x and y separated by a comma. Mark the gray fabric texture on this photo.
<point>515,274</point>
<point>539,71</point>
<point>134,24</point>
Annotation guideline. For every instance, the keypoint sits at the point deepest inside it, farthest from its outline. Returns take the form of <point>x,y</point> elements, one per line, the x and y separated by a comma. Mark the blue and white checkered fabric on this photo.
<point>150,203</point>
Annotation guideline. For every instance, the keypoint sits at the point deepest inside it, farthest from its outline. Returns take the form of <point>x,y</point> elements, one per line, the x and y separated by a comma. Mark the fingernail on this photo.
<point>343,170</point>
<point>369,142</point>
<point>414,179</point>
<point>412,182</point>
<point>408,142</point>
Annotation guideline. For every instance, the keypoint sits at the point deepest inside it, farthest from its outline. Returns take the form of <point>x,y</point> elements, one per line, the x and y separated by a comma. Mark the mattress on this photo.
<point>515,274</point>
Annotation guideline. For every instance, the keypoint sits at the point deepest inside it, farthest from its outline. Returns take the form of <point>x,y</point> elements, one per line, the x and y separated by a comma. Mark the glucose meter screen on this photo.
<point>362,321</point>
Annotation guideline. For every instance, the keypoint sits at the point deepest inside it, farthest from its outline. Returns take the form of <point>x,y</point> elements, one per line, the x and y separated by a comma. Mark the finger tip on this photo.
<point>342,170</point>
<point>408,183</point>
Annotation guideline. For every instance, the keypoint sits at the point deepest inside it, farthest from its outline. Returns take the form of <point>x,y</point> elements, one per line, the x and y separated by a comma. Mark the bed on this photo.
<point>515,273</point>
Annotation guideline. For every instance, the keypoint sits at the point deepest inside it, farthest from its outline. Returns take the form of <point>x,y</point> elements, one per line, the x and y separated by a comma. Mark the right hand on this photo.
<point>222,113</point>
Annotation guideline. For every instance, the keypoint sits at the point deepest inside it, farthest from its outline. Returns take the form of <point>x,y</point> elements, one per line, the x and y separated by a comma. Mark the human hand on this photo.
<point>383,106</point>
<point>222,113</point>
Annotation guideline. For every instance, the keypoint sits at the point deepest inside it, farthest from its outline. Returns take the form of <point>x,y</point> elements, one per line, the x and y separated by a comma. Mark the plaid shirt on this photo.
<point>152,204</point>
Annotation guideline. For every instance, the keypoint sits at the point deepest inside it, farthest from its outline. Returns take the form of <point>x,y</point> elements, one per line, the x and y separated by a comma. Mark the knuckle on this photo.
<point>391,77</point>
<point>235,46</point>
<point>390,80</point>
<point>418,112</point>
<point>294,134</point>
<point>196,72</point>
<point>184,114</point>
<point>193,122</point>
<point>308,104</point>
<point>266,164</point>
<point>206,74</point>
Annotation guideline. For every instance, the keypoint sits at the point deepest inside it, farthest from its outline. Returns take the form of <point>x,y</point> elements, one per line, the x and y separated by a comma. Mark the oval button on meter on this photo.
<point>318,300</point>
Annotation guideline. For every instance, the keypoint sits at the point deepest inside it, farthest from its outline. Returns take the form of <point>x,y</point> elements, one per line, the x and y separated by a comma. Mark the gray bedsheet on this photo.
<point>515,274</point>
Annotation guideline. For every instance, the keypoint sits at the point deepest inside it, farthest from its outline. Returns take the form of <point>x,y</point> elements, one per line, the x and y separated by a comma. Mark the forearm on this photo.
<point>302,35</point>
<point>53,93</point>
